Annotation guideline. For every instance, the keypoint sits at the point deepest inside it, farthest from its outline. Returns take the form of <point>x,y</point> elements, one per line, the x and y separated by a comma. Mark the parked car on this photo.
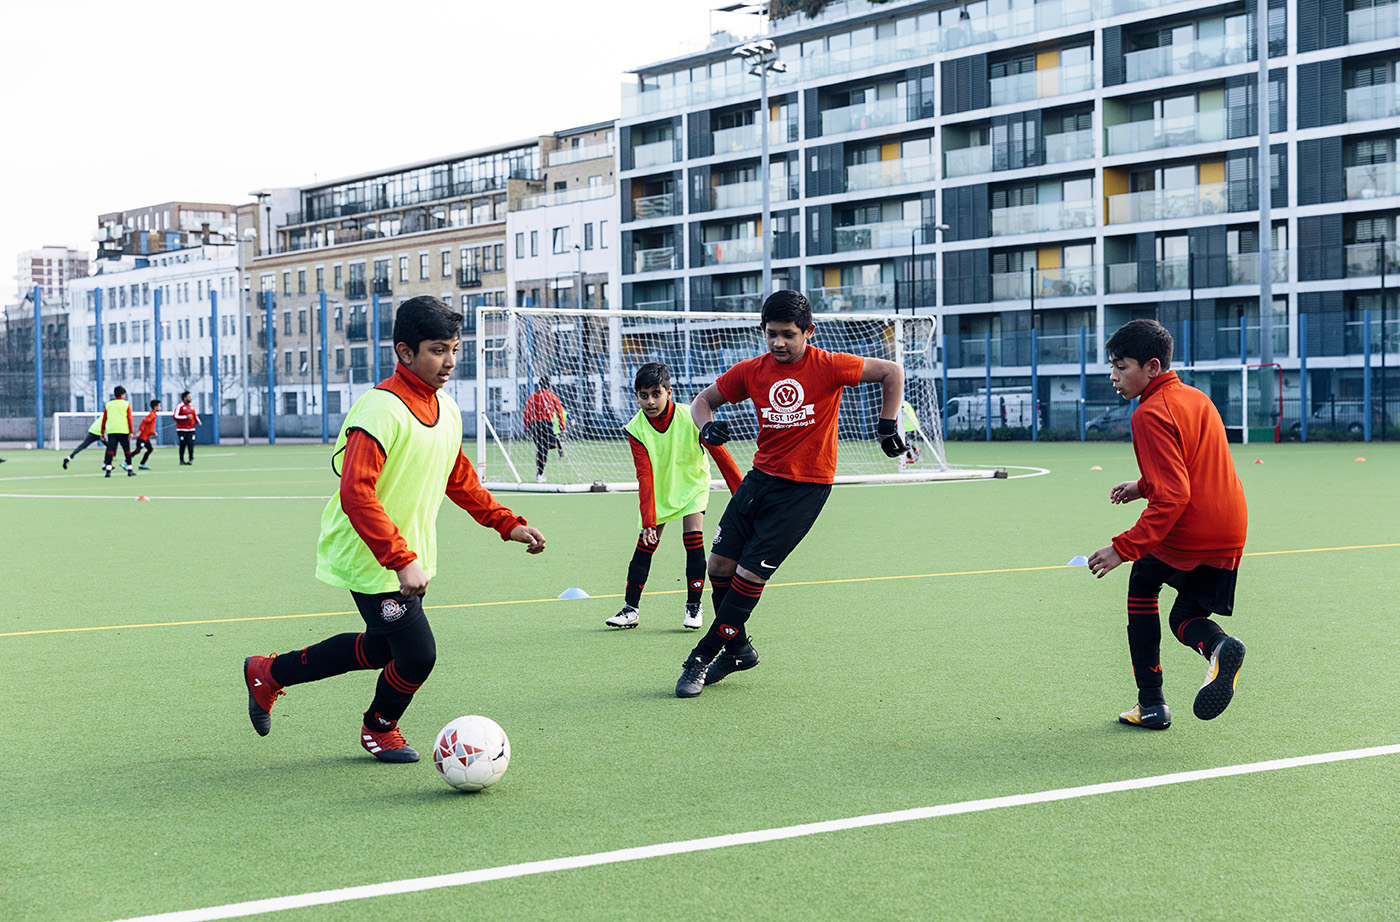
<point>1115,420</point>
<point>1337,415</point>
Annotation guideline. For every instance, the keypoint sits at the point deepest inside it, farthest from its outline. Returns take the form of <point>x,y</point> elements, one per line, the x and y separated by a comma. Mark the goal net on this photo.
<point>69,429</point>
<point>591,358</point>
<point>1250,398</point>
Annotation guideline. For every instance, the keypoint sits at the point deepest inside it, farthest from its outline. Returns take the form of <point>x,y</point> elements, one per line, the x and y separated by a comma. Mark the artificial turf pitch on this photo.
<point>922,647</point>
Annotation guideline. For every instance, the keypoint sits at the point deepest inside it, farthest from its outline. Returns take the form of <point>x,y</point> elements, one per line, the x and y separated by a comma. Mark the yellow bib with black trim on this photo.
<point>680,468</point>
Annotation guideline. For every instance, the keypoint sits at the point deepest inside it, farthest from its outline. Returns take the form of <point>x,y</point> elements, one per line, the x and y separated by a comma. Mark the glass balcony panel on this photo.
<point>876,114</point>
<point>654,206</point>
<point>1122,278</point>
<point>1243,268</point>
<point>968,161</point>
<point>1373,180</point>
<point>656,153</point>
<point>1173,274</point>
<point>563,197</point>
<point>750,303</point>
<point>876,236</point>
<point>1185,58</point>
<point>853,298</point>
<point>1068,146</point>
<point>1031,219</point>
<point>668,304</point>
<point>1378,22</point>
<point>1066,282</point>
<point>656,259</point>
<point>884,173</point>
<point>1053,81</point>
<point>738,250</point>
<point>1202,128</point>
<point>566,155</point>
<point>973,353</point>
<point>1371,102</point>
<point>750,194</point>
<point>1060,348</point>
<point>1011,286</point>
<point>747,137</point>
<point>1363,260</point>
<point>1161,204</point>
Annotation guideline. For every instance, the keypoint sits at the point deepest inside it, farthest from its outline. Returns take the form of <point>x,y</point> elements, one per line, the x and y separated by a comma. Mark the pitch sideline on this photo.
<point>710,843</point>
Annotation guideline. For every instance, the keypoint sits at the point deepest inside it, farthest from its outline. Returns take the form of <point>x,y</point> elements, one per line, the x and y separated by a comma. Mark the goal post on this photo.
<point>69,428</point>
<point>591,358</point>
<point>1250,398</point>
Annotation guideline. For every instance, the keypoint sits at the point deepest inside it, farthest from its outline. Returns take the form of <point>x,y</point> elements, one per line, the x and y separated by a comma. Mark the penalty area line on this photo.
<point>710,843</point>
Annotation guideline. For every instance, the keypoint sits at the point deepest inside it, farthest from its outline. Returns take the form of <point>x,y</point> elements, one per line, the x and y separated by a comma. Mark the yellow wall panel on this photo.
<point>1214,171</point>
<point>1048,258</point>
<point>889,151</point>
<point>1047,59</point>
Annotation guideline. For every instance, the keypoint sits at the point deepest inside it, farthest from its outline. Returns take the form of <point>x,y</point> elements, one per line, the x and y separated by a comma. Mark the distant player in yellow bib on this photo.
<point>909,425</point>
<point>398,454</point>
<point>673,482</point>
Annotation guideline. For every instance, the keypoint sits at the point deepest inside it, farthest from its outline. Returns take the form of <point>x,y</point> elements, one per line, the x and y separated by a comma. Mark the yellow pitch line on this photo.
<point>618,595</point>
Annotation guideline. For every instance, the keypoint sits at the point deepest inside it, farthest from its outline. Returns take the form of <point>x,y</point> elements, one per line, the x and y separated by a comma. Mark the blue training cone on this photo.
<point>1078,560</point>
<point>574,593</point>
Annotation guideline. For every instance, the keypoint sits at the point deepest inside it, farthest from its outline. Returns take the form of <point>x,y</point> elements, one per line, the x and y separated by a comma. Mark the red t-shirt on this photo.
<point>148,426</point>
<point>797,409</point>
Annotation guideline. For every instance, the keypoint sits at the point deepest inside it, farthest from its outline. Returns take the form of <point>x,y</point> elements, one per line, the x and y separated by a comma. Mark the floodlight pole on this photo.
<point>1384,392</point>
<point>38,295</point>
<point>762,56</point>
<point>1266,263</point>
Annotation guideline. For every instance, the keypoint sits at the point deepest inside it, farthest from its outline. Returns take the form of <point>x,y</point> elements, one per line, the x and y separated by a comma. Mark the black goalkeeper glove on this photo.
<point>715,432</point>
<point>893,445</point>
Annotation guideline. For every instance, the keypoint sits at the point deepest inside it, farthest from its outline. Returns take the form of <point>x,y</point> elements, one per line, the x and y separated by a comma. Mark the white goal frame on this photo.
<point>89,415</point>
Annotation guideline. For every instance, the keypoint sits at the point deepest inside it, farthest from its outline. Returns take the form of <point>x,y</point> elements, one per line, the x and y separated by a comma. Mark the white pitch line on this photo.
<point>639,853</point>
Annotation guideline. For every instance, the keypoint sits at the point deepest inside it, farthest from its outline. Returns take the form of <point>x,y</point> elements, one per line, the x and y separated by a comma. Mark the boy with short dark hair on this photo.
<point>400,451</point>
<point>1191,535</point>
<point>673,482</point>
<point>796,391</point>
<point>545,421</point>
<point>186,419</point>
<point>146,433</point>
<point>116,430</point>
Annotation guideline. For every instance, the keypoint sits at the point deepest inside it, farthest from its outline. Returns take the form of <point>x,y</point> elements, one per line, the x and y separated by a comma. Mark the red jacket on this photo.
<point>544,406</point>
<point>148,426</point>
<point>186,417</point>
<point>1195,502</point>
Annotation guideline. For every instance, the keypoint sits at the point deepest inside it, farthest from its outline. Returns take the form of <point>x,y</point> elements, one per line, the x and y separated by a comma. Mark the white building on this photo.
<point>50,268</point>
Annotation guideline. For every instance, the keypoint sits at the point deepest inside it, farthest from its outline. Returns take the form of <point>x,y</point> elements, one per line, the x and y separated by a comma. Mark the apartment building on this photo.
<point>49,268</point>
<point>162,228</point>
<point>1050,167</point>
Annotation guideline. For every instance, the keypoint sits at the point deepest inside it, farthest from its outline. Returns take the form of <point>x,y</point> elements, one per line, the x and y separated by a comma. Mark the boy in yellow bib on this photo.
<point>673,482</point>
<point>399,453</point>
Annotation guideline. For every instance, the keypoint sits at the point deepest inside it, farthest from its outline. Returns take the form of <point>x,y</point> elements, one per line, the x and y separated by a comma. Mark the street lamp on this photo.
<point>762,57</point>
<point>249,234</point>
<point>578,295</point>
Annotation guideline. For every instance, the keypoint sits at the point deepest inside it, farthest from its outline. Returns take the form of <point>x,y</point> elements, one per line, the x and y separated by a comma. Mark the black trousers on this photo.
<point>186,442</point>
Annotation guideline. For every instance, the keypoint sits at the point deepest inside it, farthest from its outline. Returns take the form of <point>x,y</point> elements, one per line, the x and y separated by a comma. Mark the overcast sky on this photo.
<point>111,106</point>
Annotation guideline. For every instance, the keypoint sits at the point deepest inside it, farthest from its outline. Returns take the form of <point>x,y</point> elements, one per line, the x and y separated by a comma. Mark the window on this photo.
<point>301,321</point>
<point>301,281</point>
<point>602,235</point>
<point>320,278</point>
<point>337,278</point>
<point>403,269</point>
<point>520,246</point>
<point>534,243</point>
<point>500,261</point>
<point>287,323</point>
<point>301,361</point>
<point>560,236</point>
<point>286,284</point>
<point>289,399</point>
<point>339,319</point>
<point>446,264</point>
<point>423,266</point>
<point>287,365</point>
<point>339,358</point>
<point>588,236</point>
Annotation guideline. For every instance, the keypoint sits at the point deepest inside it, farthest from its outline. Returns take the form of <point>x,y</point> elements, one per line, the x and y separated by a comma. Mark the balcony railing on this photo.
<point>1061,348</point>
<point>750,194</point>
<point>1185,57</point>
<point>747,137</point>
<point>1363,260</point>
<point>656,259</point>
<point>1161,204</point>
<point>967,161</point>
<point>382,286</point>
<point>469,277</point>
<point>1065,282</point>
<point>879,236</point>
<point>1040,84</point>
<point>1375,23</point>
<point>1051,216</point>
<point>877,114</point>
<point>853,298</point>
<point>1170,275</point>
<point>565,155</point>
<point>654,206</point>
<point>656,153</point>
<point>357,331</point>
<point>738,250</point>
<point>1373,180</point>
<point>1069,145</point>
<point>1201,128</point>
<point>355,289</point>
<point>1371,102</point>
<point>749,303</point>
<point>564,196</point>
<point>884,173</point>
<point>1243,268</point>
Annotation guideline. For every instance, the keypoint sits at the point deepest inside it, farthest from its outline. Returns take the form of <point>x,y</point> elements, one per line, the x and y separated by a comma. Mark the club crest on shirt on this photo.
<point>785,405</point>
<point>390,610</point>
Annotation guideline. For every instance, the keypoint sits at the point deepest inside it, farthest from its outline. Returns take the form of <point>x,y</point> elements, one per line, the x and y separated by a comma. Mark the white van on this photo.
<point>1010,407</point>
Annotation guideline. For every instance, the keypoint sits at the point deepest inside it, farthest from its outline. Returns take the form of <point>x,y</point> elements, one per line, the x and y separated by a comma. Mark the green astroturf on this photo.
<point>133,783</point>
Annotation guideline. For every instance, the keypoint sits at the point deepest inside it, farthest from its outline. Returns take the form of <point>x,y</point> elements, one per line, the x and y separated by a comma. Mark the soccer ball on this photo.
<point>471,753</point>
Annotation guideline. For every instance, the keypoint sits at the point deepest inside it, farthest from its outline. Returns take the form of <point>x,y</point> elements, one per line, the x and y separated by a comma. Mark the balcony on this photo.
<point>852,298</point>
<point>566,155</point>
<point>747,137</point>
<point>967,161</point>
<point>1363,260</point>
<point>657,153</point>
<point>877,114</point>
<point>1164,204</point>
<point>738,250</point>
<point>382,286</point>
<point>1062,348</point>
<point>1066,282</point>
<point>750,194</point>
<point>1040,84</point>
<point>656,259</point>
<point>469,277</point>
<point>654,206</point>
<point>884,173</point>
<point>1185,58</point>
<point>1374,180</point>
<point>1374,24</point>
<point>1033,219</point>
<point>880,236</point>
<point>1171,275</point>
<point>1132,137</point>
<point>1243,268</point>
<point>749,303</point>
<point>1069,146</point>
<point>355,289</point>
<point>667,304</point>
<point>563,197</point>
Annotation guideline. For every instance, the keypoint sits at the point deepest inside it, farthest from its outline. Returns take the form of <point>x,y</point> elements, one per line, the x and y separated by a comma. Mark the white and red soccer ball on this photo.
<point>471,753</point>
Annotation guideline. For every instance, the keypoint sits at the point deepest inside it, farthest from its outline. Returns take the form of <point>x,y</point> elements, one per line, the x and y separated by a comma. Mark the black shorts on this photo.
<point>185,435</point>
<point>1209,587</point>
<point>144,444</point>
<point>767,517</point>
<point>388,612</point>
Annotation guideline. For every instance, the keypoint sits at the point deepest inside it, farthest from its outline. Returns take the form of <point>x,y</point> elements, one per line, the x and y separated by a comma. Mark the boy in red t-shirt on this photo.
<point>186,419</point>
<point>796,391</point>
<point>146,433</point>
<point>1190,536</point>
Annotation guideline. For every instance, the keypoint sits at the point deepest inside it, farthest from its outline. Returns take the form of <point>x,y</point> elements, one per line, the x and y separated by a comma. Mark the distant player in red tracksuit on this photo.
<point>146,433</point>
<point>185,421</point>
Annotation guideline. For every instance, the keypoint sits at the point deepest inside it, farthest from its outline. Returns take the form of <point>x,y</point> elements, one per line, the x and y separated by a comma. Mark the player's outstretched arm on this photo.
<point>891,379</point>
<point>529,536</point>
<point>702,413</point>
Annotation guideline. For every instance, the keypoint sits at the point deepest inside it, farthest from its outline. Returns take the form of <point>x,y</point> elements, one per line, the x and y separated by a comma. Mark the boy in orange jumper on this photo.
<point>146,433</point>
<point>1190,536</point>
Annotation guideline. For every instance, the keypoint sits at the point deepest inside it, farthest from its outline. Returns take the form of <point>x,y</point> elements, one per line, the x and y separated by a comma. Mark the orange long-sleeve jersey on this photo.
<point>1196,510</point>
<point>148,426</point>
<point>363,461</point>
<point>646,480</point>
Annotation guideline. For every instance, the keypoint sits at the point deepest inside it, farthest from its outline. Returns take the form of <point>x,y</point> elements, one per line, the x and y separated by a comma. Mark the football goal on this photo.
<point>591,357</point>
<point>69,428</point>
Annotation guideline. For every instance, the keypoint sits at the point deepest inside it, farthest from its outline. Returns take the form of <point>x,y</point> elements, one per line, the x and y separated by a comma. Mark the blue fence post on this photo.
<point>1083,382</point>
<point>325,385</point>
<point>1035,390</point>
<point>160,335</point>
<point>1244,355</point>
<point>1186,346</point>
<point>271,368</point>
<point>988,342</point>
<point>374,341</point>
<point>214,359</point>
<point>1303,408</point>
<point>97,305</point>
<point>1366,375</point>
<point>945,386</point>
<point>39,367</point>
